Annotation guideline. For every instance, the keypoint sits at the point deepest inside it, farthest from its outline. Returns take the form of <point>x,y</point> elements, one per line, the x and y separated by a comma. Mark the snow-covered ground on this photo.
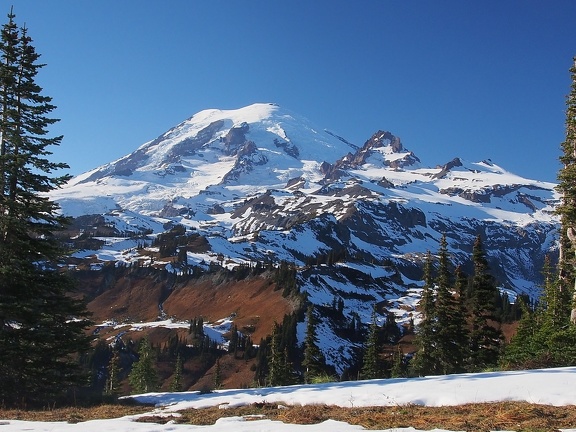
<point>543,386</point>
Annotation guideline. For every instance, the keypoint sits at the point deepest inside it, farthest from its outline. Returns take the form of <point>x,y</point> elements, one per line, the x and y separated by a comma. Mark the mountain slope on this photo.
<point>260,184</point>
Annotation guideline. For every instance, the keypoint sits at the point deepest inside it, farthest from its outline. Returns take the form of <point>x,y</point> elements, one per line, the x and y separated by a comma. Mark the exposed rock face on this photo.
<point>456,162</point>
<point>235,137</point>
<point>401,158</point>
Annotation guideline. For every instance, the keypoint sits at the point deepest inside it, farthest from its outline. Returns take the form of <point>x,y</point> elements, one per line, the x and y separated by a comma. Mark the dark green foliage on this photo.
<point>539,346</point>
<point>113,379</point>
<point>460,322</point>
<point>442,337</point>
<point>197,328</point>
<point>314,363</point>
<point>399,365</point>
<point>261,369</point>
<point>41,326</point>
<point>391,333</point>
<point>554,304</point>
<point>233,342</point>
<point>485,335</point>
<point>372,367</point>
<point>544,337</point>
<point>277,354</point>
<point>280,368</point>
<point>249,350</point>
<point>169,242</point>
<point>285,278</point>
<point>424,361</point>
<point>176,384</point>
<point>143,376</point>
<point>567,188</point>
<point>329,258</point>
<point>217,375</point>
<point>451,331</point>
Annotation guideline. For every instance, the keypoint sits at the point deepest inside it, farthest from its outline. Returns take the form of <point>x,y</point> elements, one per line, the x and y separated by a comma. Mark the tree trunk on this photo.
<point>572,237</point>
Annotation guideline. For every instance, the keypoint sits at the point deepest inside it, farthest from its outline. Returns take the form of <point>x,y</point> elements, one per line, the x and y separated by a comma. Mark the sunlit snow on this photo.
<point>543,386</point>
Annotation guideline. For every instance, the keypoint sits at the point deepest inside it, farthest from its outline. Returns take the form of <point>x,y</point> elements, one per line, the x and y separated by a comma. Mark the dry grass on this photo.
<point>74,415</point>
<point>517,416</point>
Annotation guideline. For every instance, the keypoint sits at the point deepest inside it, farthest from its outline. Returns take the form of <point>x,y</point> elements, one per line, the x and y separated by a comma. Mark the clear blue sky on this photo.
<point>474,79</point>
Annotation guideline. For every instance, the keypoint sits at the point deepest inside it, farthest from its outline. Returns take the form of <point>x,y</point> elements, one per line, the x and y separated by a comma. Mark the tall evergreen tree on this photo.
<point>314,361</point>
<point>554,302</point>
<point>461,318</point>
<point>444,308</point>
<point>233,342</point>
<point>113,380</point>
<point>41,325</point>
<point>544,337</point>
<point>485,336</point>
<point>523,351</point>
<point>424,361</point>
<point>371,368</point>
<point>398,369</point>
<point>450,324</point>
<point>176,384</point>
<point>143,376</point>
<point>217,375</point>
<point>279,367</point>
<point>567,207</point>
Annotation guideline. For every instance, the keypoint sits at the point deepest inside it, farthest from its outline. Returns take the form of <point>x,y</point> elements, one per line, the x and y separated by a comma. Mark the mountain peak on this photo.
<point>263,185</point>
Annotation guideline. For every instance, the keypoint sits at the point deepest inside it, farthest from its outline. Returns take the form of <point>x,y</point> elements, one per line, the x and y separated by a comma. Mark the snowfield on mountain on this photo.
<point>261,184</point>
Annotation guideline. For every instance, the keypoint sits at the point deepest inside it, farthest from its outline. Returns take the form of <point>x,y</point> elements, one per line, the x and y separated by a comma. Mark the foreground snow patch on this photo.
<point>542,386</point>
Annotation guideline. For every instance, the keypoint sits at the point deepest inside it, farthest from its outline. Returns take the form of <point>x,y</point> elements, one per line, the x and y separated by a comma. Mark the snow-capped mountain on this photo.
<point>262,184</point>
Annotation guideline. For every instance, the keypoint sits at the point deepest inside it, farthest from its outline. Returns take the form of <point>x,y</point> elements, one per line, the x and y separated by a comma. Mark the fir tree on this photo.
<point>485,336</point>
<point>217,375</point>
<point>262,362</point>
<point>444,309</point>
<point>461,317</point>
<point>398,365</point>
<point>41,325</point>
<point>233,342</point>
<point>544,337</point>
<point>143,377</point>
<point>424,361</point>
<point>567,207</point>
<point>450,325</point>
<point>371,368</point>
<point>176,384</point>
<point>289,340</point>
<point>314,361</point>
<point>554,302</point>
<point>523,351</point>
<point>390,331</point>
<point>279,367</point>
<point>113,379</point>
<point>248,349</point>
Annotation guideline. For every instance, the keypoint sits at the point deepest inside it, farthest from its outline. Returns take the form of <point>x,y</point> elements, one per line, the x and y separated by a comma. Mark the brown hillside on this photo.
<point>136,296</point>
<point>254,303</point>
